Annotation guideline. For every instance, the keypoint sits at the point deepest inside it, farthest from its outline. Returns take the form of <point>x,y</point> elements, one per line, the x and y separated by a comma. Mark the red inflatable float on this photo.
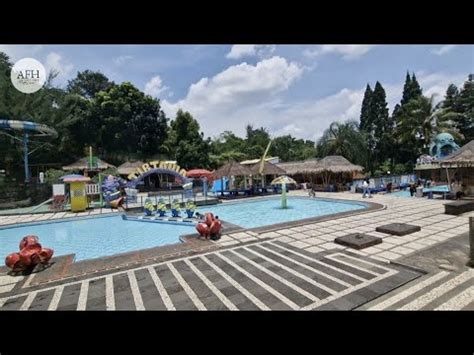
<point>211,227</point>
<point>31,254</point>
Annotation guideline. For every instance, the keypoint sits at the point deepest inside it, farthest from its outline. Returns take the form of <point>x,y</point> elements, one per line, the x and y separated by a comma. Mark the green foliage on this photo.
<point>344,139</point>
<point>52,176</point>
<point>88,83</point>
<point>187,144</point>
<point>105,173</point>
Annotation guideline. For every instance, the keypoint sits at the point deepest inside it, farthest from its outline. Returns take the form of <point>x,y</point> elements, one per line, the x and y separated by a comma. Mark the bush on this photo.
<point>106,172</point>
<point>52,176</point>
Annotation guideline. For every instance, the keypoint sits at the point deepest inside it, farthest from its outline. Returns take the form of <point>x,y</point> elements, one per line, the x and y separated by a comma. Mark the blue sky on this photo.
<point>291,89</point>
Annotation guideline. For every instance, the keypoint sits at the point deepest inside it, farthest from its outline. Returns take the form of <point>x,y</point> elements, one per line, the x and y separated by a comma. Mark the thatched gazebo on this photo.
<point>232,168</point>
<point>462,164</point>
<point>336,164</point>
<point>129,167</point>
<point>320,171</point>
<point>84,164</point>
<point>268,169</point>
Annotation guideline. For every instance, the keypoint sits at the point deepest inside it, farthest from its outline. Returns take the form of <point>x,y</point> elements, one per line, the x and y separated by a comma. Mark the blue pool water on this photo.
<point>94,237</point>
<point>251,214</point>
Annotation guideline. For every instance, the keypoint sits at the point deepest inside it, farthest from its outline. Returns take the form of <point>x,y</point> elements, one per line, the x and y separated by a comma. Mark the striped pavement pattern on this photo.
<point>267,275</point>
<point>440,291</point>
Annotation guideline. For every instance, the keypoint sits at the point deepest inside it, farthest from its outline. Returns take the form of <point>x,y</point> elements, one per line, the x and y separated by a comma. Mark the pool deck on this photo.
<point>296,265</point>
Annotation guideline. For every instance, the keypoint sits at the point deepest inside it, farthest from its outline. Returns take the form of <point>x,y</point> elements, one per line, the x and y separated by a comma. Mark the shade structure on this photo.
<point>268,169</point>
<point>71,176</point>
<point>77,179</point>
<point>283,180</point>
<point>232,168</point>
<point>84,164</point>
<point>129,167</point>
<point>464,157</point>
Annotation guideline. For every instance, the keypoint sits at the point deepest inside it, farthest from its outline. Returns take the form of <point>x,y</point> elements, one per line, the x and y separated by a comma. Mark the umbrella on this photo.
<point>283,180</point>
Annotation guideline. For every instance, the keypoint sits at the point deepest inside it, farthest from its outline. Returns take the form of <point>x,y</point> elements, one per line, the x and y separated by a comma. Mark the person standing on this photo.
<point>366,188</point>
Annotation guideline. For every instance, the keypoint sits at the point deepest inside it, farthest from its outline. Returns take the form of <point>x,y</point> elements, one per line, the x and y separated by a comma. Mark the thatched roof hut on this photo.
<point>129,167</point>
<point>232,169</point>
<point>464,157</point>
<point>322,169</point>
<point>300,167</point>
<point>337,164</point>
<point>84,164</point>
<point>268,169</point>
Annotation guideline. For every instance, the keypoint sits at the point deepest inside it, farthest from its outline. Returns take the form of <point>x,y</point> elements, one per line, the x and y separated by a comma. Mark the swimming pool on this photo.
<point>258,213</point>
<point>91,238</point>
<point>94,237</point>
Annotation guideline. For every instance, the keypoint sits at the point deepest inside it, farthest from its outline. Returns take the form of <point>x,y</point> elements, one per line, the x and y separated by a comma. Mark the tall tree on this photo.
<point>190,148</point>
<point>465,107</point>
<point>256,141</point>
<point>123,120</point>
<point>88,83</point>
<point>377,126</point>
<point>364,112</point>
<point>344,138</point>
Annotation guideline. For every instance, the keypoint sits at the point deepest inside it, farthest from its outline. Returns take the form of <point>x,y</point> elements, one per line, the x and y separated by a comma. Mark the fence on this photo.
<point>92,189</point>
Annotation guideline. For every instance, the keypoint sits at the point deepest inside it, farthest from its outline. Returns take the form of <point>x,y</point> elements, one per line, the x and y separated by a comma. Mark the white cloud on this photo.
<point>443,49</point>
<point>250,50</point>
<point>237,95</point>
<point>245,94</point>
<point>122,59</point>
<point>56,62</point>
<point>17,52</point>
<point>348,52</point>
<point>155,86</point>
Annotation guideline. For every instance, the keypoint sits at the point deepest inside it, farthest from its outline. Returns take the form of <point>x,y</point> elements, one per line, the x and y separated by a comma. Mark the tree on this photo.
<point>125,120</point>
<point>344,139</point>
<point>190,148</point>
<point>465,108</point>
<point>288,148</point>
<point>419,122</point>
<point>88,83</point>
<point>365,110</point>
<point>256,141</point>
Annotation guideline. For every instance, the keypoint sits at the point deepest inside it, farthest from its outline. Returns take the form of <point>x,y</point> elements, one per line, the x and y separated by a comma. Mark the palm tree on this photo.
<point>419,121</point>
<point>344,138</point>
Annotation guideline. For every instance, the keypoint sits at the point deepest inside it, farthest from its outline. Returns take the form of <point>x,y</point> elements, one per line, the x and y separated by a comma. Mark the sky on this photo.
<point>288,89</point>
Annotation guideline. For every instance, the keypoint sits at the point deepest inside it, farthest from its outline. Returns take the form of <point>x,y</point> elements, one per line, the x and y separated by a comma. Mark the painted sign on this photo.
<point>156,164</point>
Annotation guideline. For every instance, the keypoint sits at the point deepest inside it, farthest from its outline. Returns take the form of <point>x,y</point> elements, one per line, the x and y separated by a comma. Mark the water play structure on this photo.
<point>211,227</point>
<point>26,129</point>
<point>31,254</point>
<point>283,181</point>
<point>443,145</point>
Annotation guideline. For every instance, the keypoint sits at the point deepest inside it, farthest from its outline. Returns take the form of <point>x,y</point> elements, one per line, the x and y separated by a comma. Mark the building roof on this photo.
<point>268,169</point>
<point>463,157</point>
<point>332,163</point>
<point>84,164</point>
<point>232,169</point>
<point>129,167</point>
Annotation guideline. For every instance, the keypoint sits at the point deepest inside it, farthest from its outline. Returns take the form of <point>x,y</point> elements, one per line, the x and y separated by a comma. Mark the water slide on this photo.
<point>27,129</point>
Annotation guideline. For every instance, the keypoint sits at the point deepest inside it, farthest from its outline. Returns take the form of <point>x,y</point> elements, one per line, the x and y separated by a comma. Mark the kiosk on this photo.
<point>78,192</point>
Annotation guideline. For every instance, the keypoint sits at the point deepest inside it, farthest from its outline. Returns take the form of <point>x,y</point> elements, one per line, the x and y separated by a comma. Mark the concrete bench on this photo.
<point>459,207</point>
